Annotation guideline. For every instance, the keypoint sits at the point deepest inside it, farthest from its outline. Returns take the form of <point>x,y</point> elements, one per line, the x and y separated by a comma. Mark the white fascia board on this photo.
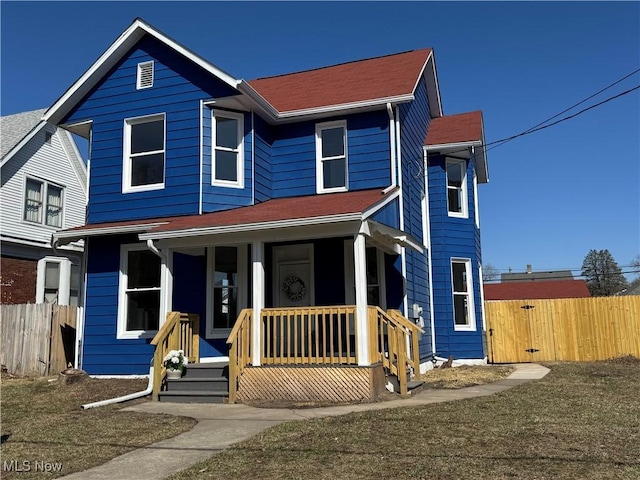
<point>64,237</point>
<point>399,237</point>
<point>112,55</point>
<point>248,227</point>
<point>435,87</point>
<point>22,143</point>
<point>260,102</point>
<point>384,202</point>
<point>443,146</point>
<point>344,107</point>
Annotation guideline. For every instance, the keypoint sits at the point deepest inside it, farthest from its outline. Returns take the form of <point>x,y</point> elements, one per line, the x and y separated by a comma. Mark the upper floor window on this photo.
<point>139,302</point>
<point>462,286</point>
<point>331,157</point>
<point>144,140</point>
<point>145,75</point>
<point>228,149</point>
<point>43,203</point>
<point>457,188</point>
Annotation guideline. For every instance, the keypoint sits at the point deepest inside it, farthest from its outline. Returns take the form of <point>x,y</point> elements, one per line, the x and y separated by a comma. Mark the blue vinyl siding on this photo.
<point>389,214</point>
<point>262,160</point>
<point>103,353</point>
<point>414,118</point>
<point>293,155</point>
<point>216,198</point>
<point>453,237</point>
<point>179,85</point>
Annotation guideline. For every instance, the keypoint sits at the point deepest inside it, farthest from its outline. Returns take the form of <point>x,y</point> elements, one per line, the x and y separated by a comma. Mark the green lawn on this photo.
<point>582,421</point>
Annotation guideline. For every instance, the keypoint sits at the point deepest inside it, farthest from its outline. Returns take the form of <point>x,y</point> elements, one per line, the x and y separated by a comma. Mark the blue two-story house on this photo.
<point>321,218</point>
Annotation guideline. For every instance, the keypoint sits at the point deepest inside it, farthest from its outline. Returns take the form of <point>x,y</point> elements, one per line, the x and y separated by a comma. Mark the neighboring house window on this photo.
<point>39,196</point>
<point>144,153</point>
<point>331,157</point>
<point>139,302</point>
<point>227,265</point>
<point>456,188</point>
<point>58,281</point>
<point>462,285</point>
<point>228,148</point>
<point>145,75</point>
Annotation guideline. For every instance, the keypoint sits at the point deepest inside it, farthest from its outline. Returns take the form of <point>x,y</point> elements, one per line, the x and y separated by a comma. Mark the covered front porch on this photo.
<point>308,353</point>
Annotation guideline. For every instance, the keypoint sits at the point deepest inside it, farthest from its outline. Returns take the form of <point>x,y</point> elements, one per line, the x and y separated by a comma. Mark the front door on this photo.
<point>293,284</point>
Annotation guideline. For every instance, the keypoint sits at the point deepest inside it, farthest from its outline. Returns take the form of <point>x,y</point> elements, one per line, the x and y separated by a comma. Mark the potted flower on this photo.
<point>175,362</point>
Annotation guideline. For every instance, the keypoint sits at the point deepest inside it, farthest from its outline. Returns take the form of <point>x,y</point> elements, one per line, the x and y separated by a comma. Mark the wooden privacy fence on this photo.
<point>568,329</point>
<point>37,339</point>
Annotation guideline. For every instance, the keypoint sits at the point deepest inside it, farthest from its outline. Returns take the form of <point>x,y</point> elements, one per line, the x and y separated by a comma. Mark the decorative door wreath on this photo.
<point>294,288</point>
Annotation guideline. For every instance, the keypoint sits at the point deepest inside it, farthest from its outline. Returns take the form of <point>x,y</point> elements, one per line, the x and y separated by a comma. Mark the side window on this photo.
<point>457,188</point>
<point>228,149</point>
<point>144,156</point>
<point>462,287</point>
<point>43,203</point>
<point>139,303</point>
<point>331,157</point>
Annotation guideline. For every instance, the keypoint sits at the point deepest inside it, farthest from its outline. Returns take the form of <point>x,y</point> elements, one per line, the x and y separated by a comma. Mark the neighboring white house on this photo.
<point>44,189</point>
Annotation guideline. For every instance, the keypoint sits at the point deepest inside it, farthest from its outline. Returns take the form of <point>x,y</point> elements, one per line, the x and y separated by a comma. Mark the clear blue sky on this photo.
<point>553,195</point>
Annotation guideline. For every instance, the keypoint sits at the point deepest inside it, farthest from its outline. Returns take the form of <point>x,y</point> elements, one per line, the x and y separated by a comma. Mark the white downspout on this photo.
<point>124,398</point>
<point>427,235</point>
<point>392,144</point>
<point>405,300</point>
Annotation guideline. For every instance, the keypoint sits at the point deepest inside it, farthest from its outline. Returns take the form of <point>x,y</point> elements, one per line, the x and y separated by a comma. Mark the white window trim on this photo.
<point>211,332</point>
<point>319,159</point>
<point>240,149</point>
<point>122,332</point>
<point>64,280</point>
<point>471,326</point>
<point>484,316</point>
<point>475,200</point>
<point>44,203</point>
<point>464,200</point>
<point>141,65</point>
<point>126,173</point>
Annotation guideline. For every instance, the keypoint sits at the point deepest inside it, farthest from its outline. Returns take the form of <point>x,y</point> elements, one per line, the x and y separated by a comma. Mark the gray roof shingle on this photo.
<point>14,128</point>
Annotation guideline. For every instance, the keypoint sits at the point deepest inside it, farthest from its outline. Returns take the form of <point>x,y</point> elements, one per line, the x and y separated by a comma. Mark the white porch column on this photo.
<point>257,257</point>
<point>166,283</point>
<point>360,267</point>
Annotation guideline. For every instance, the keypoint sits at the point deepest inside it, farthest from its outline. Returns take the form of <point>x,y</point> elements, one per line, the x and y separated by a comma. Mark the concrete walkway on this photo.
<point>220,426</point>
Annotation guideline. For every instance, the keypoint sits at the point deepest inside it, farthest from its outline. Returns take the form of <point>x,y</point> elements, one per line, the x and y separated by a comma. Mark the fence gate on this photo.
<point>574,329</point>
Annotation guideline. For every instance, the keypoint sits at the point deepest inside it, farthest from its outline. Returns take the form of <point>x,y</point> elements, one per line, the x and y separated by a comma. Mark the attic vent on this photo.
<point>145,75</point>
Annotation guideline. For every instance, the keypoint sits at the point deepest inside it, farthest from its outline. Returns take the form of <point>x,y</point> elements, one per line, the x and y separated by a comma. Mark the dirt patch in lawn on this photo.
<point>574,423</point>
<point>465,376</point>
<point>42,421</point>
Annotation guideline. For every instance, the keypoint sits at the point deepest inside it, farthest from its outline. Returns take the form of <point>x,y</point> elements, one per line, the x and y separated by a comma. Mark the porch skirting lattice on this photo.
<point>326,383</point>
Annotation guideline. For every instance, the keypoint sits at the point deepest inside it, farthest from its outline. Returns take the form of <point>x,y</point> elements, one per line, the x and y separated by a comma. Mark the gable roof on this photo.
<point>355,85</point>
<point>386,78</point>
<point>533,290</point>
<point>14,128</point>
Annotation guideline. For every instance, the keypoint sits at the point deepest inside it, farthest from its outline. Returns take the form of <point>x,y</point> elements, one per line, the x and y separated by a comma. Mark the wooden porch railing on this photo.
<point>390,337</point>
<point>310,335</point>
<point>239,341</point>
<point>180,331</point>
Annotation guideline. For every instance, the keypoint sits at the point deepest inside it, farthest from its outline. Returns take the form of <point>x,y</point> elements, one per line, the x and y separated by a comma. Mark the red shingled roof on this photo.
<point>358,81</point>
<point>535,290</point>
<point>462,127</point>
<point>295,208</point>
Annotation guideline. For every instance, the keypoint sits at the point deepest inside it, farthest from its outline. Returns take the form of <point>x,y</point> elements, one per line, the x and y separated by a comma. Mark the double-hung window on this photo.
<point>228,146</point>
<point>139,303</point>
<point>457,188</point>
<point>331,157</point>
<point>144,145</point>
<point>43,203</point>
<point>462,286</point>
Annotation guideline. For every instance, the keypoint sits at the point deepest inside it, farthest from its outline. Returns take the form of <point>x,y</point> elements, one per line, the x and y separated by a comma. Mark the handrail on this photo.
<point>180,331</point>
<point>239,350</point>
<point>390,335</point>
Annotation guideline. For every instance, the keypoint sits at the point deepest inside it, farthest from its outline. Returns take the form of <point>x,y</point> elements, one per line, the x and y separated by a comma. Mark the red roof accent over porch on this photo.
<point>462,127</point>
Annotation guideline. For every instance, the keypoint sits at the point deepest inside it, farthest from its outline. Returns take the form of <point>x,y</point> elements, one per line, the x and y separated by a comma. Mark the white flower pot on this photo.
<point>173,374</point>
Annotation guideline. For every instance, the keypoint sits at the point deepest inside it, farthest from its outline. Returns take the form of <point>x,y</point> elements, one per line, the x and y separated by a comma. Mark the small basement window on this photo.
<point>145,75</point>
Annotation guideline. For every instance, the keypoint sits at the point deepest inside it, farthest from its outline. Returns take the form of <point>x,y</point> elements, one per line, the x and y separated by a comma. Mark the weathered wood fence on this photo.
<point>37,339</point>
<point>570,329</point>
